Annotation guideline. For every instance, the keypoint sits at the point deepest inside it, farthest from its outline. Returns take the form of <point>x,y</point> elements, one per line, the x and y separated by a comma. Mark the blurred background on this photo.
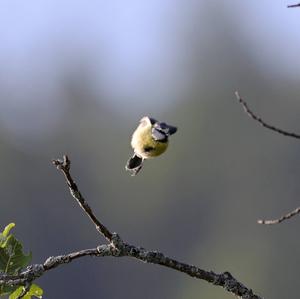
<point>76,77</point>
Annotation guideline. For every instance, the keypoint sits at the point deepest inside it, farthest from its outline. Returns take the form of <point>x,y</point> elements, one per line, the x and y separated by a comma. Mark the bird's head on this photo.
<point>160,130</point>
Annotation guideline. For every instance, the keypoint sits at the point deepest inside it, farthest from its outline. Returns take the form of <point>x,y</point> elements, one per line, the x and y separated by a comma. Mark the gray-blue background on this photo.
<point>75,78</point>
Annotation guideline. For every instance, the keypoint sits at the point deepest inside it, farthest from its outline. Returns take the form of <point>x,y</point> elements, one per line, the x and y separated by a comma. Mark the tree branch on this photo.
<point>282,218</point>
<point>35,271</point>
<point>118,248</point>
<point>261,121</point>
<point>282,132</point>
<point>294,5</point>
<point>64,166</point>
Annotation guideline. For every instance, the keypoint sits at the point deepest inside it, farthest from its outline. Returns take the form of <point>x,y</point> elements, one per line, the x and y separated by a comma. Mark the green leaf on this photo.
<point>5,233</point>
<point>6,290</point>
<point>12,257</point>
<point>7,229</point>
<point>34,291</point>
<point>16,293</point>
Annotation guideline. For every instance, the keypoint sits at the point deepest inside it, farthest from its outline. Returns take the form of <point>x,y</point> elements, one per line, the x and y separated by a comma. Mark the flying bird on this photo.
<point>149,140</point>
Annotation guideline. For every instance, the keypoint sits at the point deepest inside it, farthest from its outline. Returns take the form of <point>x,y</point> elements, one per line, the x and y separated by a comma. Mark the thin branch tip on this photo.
<point>56,162</point>
<point>63,164</point>
<point>293,5</point>
<point>67,161</point>
<point>258,119</point>
<point>282,218</point>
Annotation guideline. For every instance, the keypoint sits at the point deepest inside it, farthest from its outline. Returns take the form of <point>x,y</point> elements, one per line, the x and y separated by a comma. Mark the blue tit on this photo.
<point>149,140</point>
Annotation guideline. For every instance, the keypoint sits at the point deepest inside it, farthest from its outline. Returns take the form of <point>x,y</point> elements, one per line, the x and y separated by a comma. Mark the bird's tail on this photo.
<point>134,164</point>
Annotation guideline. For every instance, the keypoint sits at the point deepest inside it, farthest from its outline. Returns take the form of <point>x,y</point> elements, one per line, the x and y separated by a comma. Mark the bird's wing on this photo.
<point>158,135</point>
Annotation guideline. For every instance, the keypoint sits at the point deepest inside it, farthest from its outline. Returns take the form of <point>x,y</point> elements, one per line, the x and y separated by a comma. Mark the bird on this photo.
<point>149,140</point>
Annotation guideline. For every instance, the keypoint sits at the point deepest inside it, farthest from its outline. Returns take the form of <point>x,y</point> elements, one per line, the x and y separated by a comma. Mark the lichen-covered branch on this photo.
<point>282,218</point>
<point>33,272</point>
<point>261,121</point>
<point>118,248</point>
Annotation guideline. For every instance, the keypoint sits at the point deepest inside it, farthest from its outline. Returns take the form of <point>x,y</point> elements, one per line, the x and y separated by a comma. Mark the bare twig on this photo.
<point>282,218</point>
<point>261,121</point>
<point>64,166</point>
<point>282,132</point>
<point>118,248</point>
<point>294,5</point>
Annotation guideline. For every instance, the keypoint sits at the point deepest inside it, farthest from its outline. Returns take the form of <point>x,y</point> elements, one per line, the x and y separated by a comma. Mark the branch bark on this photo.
<point>280,131</point>
<point>261,121</point>
<point>116,247</point>
<point>64,165</point>
<point>282,218</point>
<point>294,5</point>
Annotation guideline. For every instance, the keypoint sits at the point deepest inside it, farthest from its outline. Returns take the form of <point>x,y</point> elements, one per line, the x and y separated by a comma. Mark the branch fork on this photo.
<point>116,247</point>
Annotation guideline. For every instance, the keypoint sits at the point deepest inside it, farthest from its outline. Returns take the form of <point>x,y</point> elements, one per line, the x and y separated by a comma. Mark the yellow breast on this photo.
<point>144,145</point>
